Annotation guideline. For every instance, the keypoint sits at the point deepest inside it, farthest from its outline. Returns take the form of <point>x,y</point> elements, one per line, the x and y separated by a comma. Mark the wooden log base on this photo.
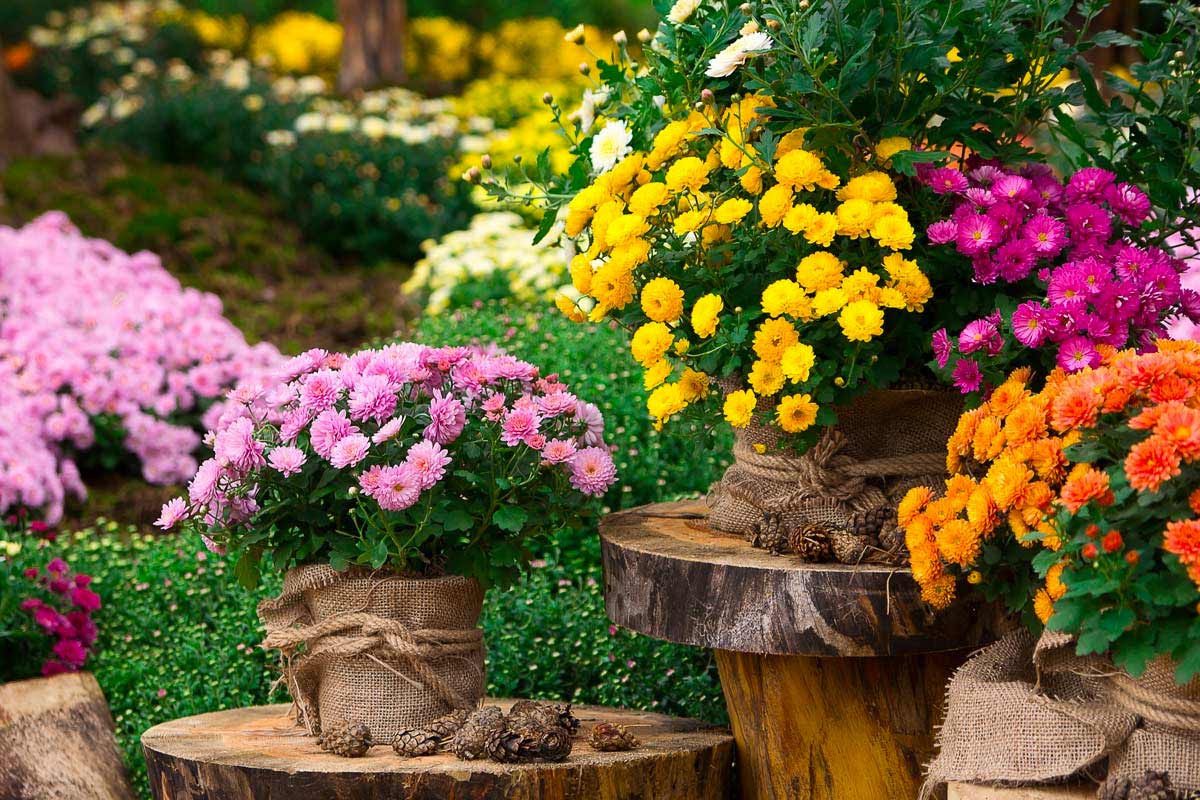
<point>56,741</point>
<point>968,791</point>
<point>833,728</point>
<point>259,753</point>
<point>669,576</point>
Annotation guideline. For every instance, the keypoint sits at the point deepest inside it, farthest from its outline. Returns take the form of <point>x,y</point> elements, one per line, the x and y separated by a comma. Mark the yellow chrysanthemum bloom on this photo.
<point>792,140</point>
<point>605,214</point>
<point>581,273</point>
<point>796,413</point>
<point>662,300</point>
<point>664,402</point>
<point>575,222</point>
<point>821,230</point>
<point>589,198</point>
<point>631,254</point>
<point>799,217</point>
<point>650,343</point>
<point>647,198</point>
<point>569,308</point>
<point>694,385</point>
<point>799,169</point>
<point>732,210</point>
<point>785,298</point>
<point>1054,583</point>
<point>890,298</point>
<point>711,234</point>
<point>612,286</point>
<point>829,301</point>
<point>891,145</point>
<point>752,181</point>
<point>667,143</point>
<point>861,321</point>
<point>797,363</point>
<point>656,373</point>
<point>893,232</point>
<point>957,543</point>
<point>855,217</point>
<point>861,285</point>
<point>774,205</point>
<point>1043,605</point>
<point>876,187</point>
<point>705,314</point>
<point>625,172</point>
<point>819,270</point>
<point>689,221</point>
<point>739,407</point>
<point>765,378</point>
<point>624,229</point>
<point>773,337</point>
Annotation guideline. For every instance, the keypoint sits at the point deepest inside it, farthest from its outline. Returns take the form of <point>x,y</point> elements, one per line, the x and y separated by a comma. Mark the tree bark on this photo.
<point>374,33</point>
<point>16,132</point>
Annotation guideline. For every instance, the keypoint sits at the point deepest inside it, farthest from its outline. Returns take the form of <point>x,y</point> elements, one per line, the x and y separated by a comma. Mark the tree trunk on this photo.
<point>16,133</point>
<point>372,44</point>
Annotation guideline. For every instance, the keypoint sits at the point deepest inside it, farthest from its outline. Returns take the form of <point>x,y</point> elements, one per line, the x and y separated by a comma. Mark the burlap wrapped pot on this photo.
<point>1027,711</point>
<point>390,651</point>
<point>885,443</point>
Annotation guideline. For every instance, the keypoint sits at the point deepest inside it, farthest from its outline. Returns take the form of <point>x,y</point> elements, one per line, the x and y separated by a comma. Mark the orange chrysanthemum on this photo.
<point>913,503</point>
<point>1076,407</point>
<point>1180,425</point>
<point>1151,463</point>
<point>1079,490</point>
<point>1194,501</point>
<point>1183,539</point>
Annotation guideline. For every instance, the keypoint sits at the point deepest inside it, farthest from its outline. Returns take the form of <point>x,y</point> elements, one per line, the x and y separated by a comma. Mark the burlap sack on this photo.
<point>392,652</point>
<point>885,443</point>
<point>1027,712</point>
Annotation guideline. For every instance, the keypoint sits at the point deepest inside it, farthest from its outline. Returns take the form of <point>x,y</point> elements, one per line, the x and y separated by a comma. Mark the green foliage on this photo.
<point>594,361</point>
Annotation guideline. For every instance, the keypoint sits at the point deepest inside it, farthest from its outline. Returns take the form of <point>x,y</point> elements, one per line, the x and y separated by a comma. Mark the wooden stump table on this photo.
<point>834,676</point>
<point>259,754</point>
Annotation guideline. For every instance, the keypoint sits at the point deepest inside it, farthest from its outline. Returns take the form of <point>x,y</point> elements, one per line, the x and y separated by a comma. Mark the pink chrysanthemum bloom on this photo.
<point>429,460</point>
<point>372,398</point>
<point>943,231</point>
<point>593,422</point>
<point>941,347</point>
<point>493,407</point>
<point>388,430</point>
<point>1029,324</point>
<point>968,377</point>
<point>558,451</point>
<point>519,424</point>
<point>1045,234</point>
<point>173,511</point>
<point>536,441</point>
<point>976,234</point>
<point>556,404</point>
<point>286,460</point>
<point>1077,353</point>
<point>236,446</point>
<point>320,391</point>
<point>206,483</point>
<point>447,418</point>
<point>946,180</point>
<point>328,429</point>
<point>349,450</point>
<point>977,335</point>
<point>370,480</point>
<point>399,488</point>
<point>593,471</point>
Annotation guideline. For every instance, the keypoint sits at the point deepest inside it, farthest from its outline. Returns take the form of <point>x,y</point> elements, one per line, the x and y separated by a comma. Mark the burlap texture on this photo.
<point>392,652</point>
<point>885,443</point>
<point>1026,712</point>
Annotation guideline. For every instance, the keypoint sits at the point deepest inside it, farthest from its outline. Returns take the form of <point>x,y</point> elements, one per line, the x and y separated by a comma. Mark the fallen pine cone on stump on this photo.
<point>416,742</point>
<point>446,726</point>
<point>346,739</point>
<point>529,742</point>
<point>1150,786</point>
<point>611,737</point>
<point>470,742</point>
<point>545,714</point>
<point>810,541</point>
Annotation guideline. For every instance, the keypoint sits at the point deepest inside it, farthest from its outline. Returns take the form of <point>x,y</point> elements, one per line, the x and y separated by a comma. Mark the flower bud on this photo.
<point>707,97</point>
<point>644,35</point>
<point>745,8</point>
<point>547,98</point>
<point>803,5</point>
<point>486,161</point>
<point>1112,542</point>
<point>774,24</point>
<point>472,176</point>
<point>585,68</point>
<point>1090,551</point>
<point>518,158</point>
<point>1132,558</point>
<point>620,38</point>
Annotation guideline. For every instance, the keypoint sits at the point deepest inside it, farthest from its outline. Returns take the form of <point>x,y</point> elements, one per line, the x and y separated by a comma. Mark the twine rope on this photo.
<point>1155,705</point>
<point>359,632</point>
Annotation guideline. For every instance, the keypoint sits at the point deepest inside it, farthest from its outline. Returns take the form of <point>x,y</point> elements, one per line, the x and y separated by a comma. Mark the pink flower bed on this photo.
<point>89,330</point>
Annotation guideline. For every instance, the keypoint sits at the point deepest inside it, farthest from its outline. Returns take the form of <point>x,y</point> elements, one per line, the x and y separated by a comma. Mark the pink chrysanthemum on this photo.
<point>1077,353</point>
<point>1029,324</point>
<point>593,421</point>
<point>558,451</point>
<point>946,180</point>
<point>977,233</point>
<point>556,404</point>
<point>388,430</point>
<point>968,377</point>
<point>206,483</point>
<point>447,417</point>
<point>236,446</point>
<point>372,398</point>
<point>328,429</point>
<point>493,407</point>
<point>399,488</point>
<point>173,511</point>
<point>519,424</point>
<point>1045,234</point>
<point>941,347</point>
<point>593,471</point>
<point>429,460</point>
<point>943,231</point>
<point>349,450</point>
<point>320,391</point>
<point>286,460</point>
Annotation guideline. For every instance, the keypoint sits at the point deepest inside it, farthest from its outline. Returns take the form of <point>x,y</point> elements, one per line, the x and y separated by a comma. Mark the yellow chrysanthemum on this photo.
<point>612,286</point>
<point>875,187</point>
<point>665,402</point>
<point>792,140</point>
<point>569,307</point>
<point>821,230</point>
<point>799,169</point>
<point>855,217</point>
<point>829,301</point>
<point>667,143</point>
<point>796,413</point>
<point>861,284</point>
<point>687,174</point>
<point>656,373</point>
<point>647,199</point>
<point>581,273</point>
<point>799,217</point>
<point>914,503</point>
<point>624,229</point>
<point>1054,583</point>
<point>694,385</point>
<point>662,300</point>
<point>957,543</point>
<point>797,362</point>
<point>819,270</point>
<point>861,321</point>
<point>631,254</point>
<point>785,298</point>
<point>890,146</point>
<point>689,221</point>
<point>739,407</point>
<point>705,315</point>
<point>773,337</point>
<point>711,234</point>
<point>605,214</point>
<point>893,232</point>
<point>774,205</point>
<point>732,210</point>
<point>765,378</point>
<point>1043,605</point>
<point>752,181</point>
<point>650,343</point>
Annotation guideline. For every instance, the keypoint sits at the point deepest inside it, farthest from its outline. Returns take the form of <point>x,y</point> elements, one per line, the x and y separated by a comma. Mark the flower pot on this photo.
<point>883,444</point>
<point>393,652</point>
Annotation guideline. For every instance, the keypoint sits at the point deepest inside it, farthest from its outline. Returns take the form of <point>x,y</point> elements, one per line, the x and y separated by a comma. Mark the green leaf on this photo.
<point>510,518</point>
<point>457,520</point>
<point>246,568</point>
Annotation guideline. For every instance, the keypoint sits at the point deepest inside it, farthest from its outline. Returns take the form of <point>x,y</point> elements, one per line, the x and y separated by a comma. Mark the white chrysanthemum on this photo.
<point>610,145</point>
<point>728,60</point>
<point>682,10</point>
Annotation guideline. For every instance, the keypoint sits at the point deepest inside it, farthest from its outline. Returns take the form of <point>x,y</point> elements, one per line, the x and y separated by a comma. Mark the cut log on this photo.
<point>56,741</point>
<point>967,791</point>
<point>669,576</point>
<point>372,43</point>
<point>260,753</point>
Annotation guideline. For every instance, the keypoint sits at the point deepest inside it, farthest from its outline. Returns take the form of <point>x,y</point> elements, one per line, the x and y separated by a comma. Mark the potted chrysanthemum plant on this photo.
<point>393,486</point>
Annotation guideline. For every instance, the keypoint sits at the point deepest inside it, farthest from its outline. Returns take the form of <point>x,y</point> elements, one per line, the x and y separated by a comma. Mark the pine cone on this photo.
<point>1151,786</point>
<point>611,737</point>
<point>545,714</point>
<point>346,739</point>
<point>811,542</point>
<point>769,534</point>
<point>532,743</point>
<point>470,741</point>
<point>416,742</point>
<point>446,726</point>
<point>869,523</point>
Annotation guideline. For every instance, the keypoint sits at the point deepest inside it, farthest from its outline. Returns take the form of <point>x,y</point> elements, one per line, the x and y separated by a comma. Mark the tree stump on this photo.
<point>1074,791</point>
<point>56,741</point>
<point>260,753</point>
<point>834,676</point>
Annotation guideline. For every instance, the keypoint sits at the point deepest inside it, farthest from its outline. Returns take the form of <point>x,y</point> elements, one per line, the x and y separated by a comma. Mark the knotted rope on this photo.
<point>1153,704</point>
<point>358,633</point>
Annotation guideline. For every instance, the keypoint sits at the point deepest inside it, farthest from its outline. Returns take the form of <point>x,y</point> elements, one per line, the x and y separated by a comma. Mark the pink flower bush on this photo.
<point>90,331</point>
<point>416,457</point>
<point>61,606</point>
